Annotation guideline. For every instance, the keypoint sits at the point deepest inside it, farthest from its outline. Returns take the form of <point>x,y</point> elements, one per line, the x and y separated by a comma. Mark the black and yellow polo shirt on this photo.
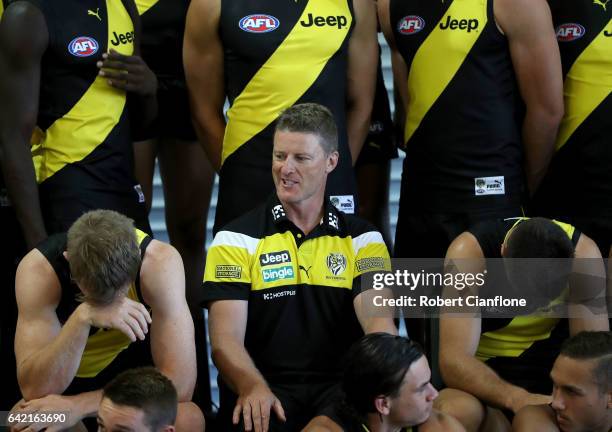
<point>300,288</point>
<point>524,347</point>
<point>108,351</point>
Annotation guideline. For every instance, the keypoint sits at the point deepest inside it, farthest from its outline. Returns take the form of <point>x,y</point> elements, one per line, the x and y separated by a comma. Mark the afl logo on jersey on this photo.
<point>569,32</point>
<point>83,46</point>
<point>410,25</point>
<point>259,23</point>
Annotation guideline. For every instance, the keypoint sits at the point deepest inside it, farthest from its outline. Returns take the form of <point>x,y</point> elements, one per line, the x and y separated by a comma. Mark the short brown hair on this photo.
<point>147,389</point>
<point>311,118</point>
<point>103,254</point>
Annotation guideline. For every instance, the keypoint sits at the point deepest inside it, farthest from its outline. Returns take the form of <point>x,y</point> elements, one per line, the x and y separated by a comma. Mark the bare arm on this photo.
<point>537,63</point>
<point>459,338</point>
<point>361,75</point>
<point>172,335</point>
<point>48,355</point>
<point>399,67</point>
<point>203,60</point>
<point>588,285</point>
<point>369,316</point>
<point>227,327</point>
<point>21,50</point>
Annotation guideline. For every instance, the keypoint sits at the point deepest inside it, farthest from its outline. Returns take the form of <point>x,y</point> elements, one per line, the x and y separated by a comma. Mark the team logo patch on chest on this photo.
<point>259,23</point>
<point>570,32</point>
<point>83,46</point>
<point>410,25</point>
<point>336,263</point>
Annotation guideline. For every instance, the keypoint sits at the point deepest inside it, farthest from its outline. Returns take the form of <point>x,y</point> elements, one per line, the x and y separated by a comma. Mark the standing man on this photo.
<point>283,284</point>
<point>578,188</point>
<point>457,65</point>
<point>461,69</point>
<point>65,121</point>
<point>266,56</point>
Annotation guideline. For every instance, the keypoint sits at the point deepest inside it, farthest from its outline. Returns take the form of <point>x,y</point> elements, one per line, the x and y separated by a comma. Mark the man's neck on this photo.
<point>305,215</point>
<point>376,424</point>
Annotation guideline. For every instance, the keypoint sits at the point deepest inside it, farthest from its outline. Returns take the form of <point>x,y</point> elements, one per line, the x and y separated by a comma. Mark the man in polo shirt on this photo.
<point>284,289</point>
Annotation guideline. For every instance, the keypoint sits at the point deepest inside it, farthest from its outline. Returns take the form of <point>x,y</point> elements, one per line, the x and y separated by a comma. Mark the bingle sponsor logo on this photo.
<point>280,273</point>
<point>570,32</point>
<point>274,258</point>
<point>321,21</point>
<point>464,24</point>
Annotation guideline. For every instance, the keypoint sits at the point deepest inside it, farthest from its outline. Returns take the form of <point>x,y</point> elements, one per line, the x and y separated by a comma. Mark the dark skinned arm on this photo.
<point>21,51</point>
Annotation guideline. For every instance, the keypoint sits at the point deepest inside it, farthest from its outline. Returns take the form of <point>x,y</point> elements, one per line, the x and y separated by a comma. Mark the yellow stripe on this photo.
<point>145,5</point>
<point>1,8</point>
<point>286,75</point>
<point>103,347</point>
<point>587,84</point>
<point>438,59</point>
<point>75,135</point>
<point>516,338</point>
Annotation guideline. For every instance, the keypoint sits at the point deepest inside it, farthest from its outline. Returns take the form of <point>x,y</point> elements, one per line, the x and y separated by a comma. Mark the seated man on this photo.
<point>86,300</point>
<point>500,364</point>
<point>386,388</point>
<point>582,395</point>
<point>138,400</point>
<point>283,284</point>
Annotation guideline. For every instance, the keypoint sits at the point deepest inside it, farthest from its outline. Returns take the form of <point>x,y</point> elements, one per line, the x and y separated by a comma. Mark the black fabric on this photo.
<point>472,131</point>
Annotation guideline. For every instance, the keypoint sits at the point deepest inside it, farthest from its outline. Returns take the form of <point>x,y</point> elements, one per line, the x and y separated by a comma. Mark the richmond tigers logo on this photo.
<point>336,263</point>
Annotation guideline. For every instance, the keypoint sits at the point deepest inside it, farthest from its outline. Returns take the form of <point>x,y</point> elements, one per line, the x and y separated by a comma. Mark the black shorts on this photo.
<point>173,115</point>
<point>301,401</point>
<point>429,235</point>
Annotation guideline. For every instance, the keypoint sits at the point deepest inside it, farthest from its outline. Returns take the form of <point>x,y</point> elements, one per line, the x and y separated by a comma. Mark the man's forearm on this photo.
<point>237,367</point>
<point>210,133</point>
<point>358,125</point>
<point>52,369</point>
<point>87,403</point>
<point>539,133</point>
<point>471,375</point>
<point>20,179</point>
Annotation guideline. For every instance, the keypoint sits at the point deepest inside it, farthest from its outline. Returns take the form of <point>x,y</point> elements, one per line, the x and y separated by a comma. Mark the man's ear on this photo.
<point>65,253</point>
<point>503,249</point>
<point>169,429</point>
<point>382,404</point>
<point>332,161</point>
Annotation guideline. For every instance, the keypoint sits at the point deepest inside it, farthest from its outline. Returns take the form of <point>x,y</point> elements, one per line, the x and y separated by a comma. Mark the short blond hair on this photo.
<point>103,254</point>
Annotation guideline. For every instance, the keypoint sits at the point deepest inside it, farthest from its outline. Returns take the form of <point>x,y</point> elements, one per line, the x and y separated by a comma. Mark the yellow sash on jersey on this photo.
<point>145,5</point>
<point>75,135</point>
<point>286,75</point>
<point>587,84</point>
<point>439,58</point>
<point>1,8</point>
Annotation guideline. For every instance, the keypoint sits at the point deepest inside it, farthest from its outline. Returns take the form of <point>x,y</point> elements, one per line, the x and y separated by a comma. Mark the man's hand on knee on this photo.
<point>255,406</point>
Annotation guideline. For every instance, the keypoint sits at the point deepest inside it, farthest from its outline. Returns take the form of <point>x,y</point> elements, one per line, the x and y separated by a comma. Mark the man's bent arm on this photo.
<point>369,315</point>
<point>361,75</point>
<point>459,338</point>
<point>172,335</point>
<point>537,63</point>
<point>48,354</point>
<point>203,61</point>
<point>227,321</point>
<point>21,50</point>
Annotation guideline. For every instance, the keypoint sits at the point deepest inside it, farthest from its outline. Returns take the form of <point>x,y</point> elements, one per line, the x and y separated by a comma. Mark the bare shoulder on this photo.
<point>518,15</point>
<point>440,422</point>
<point>322,424</point>
<point>36,283</point>
<point>465,245</point>
<point>586,248</point>
<point>15,29</point>
<point>161,274</point>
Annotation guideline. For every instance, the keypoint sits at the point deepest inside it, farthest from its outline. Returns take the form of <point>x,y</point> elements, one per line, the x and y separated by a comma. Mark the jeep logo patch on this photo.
<point>274,258</point>
<point>320,21</point>
<point>464,24</point>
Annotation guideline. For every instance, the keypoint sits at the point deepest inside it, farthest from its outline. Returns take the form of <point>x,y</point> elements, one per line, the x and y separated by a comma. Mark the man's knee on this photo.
<point>189,418</point>
<point>534,418</point>
<point>322,424</point>
<point>463,406</point>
